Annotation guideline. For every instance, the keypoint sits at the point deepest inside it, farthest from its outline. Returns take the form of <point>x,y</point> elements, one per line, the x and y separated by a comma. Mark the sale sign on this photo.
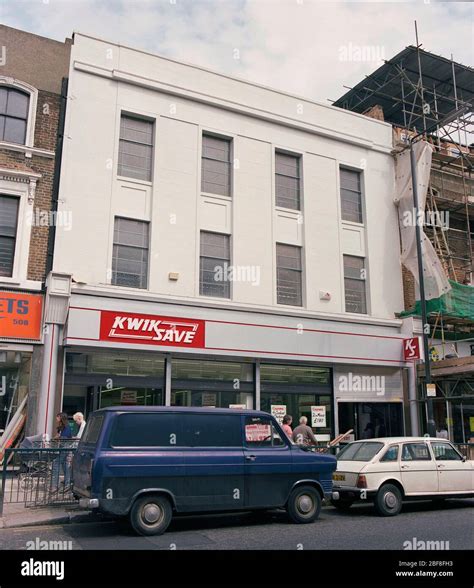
<point>128,327</point>
<point>318,416</point>
<point>20,315</point>
<point>278,411</point>
<point>411,348</point>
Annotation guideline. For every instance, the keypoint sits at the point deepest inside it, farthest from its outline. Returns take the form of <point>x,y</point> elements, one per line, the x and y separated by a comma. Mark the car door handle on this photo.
<point>404,467</point>
<point>250,457</point>
<point>441,465</point>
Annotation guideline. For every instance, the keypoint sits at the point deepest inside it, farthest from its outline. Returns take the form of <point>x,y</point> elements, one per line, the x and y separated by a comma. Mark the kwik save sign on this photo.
<point>151,329</point>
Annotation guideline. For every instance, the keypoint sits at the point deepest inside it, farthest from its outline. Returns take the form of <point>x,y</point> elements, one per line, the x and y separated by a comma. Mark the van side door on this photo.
<point>214,462</point>
<point>268,463</point>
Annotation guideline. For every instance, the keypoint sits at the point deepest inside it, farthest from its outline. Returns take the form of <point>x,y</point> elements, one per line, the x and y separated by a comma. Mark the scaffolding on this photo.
<point>430,97</point>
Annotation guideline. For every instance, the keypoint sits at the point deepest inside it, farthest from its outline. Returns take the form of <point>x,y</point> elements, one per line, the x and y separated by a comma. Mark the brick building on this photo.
<point>33,70</point>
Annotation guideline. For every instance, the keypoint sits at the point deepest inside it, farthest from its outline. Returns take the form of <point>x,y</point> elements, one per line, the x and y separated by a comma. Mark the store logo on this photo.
<point>151,329</point>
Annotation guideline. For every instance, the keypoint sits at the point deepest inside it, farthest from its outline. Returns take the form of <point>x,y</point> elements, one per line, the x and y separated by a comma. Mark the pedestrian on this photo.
<point>63,461</point>
<point>303,434</point>
<point>286,426</point>
<point>369,431</point>
<point>80,422</point>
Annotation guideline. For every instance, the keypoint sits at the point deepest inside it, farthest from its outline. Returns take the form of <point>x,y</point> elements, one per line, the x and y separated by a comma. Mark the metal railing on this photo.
<point>467,449</point>
<point>39,475</point>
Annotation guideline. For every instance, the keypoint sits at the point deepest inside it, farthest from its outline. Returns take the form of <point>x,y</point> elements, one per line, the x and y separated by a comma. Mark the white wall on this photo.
<point>186,100</point>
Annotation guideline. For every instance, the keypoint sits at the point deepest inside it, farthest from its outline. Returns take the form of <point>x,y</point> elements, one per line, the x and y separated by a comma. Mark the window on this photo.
<point>215,260</point>
<point>206,430</point>
<point>135,148</point>
<point>351,195</point>
<point>415,452</point>
<point>130,254</point>
<point>445,452</point>
<point>354,284</point>
<point>287,181</point>
<point>14,106</point>
<point>147,429</point>
<point>260,432</point>
<point>215,165</point>
<point>8,226</point>
<point>391,454</point>
<point>359,451</point>
<point>92,431</point>
<point>289,275</point>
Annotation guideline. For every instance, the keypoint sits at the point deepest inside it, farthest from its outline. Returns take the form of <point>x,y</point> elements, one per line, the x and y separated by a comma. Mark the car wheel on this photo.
<point>304,504</point>
<point>388,501</point>
<point>151,515</point>
<point>342,504</point>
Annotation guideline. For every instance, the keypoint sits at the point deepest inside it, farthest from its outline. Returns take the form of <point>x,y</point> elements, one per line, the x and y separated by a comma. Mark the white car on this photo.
<point>388,471</point>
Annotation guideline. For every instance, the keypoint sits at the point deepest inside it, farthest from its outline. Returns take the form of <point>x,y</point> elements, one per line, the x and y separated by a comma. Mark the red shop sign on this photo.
<point>125,327</point>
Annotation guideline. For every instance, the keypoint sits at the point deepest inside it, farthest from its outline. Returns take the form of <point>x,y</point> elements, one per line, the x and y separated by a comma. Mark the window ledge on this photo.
<point>216,196</point>
<point>29,151</point>
<point>134,181</point>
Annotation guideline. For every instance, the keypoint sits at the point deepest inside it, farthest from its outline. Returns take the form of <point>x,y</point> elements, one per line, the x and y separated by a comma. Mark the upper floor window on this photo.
<point>351,195</point>
<point>135,148</point>
<point>215,260</point>
<point>289,275</point>
<point>354,284</point>
<point>8,227</point>
<point>14,106</point>
<point>215,165</point>
<point>287,181</point>
<point>130,254</point>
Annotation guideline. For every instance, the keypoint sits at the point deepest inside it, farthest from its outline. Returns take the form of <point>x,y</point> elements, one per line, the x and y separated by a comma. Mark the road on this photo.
<point>360,528</point>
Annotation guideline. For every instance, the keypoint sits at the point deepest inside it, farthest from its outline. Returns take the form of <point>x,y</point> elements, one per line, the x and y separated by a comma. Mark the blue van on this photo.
<point>149,463</point>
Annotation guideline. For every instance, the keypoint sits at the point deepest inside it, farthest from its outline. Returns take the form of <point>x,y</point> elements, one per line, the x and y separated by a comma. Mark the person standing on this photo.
<point>63,461</point>
<point>286,426</point>
<point>80,422</point>
<point>303,434</point>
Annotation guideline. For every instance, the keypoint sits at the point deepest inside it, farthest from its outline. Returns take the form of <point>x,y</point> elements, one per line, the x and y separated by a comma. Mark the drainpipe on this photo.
<point>58,293</point>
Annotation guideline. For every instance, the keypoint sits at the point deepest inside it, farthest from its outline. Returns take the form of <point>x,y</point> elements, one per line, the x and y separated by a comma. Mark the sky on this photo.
<point>310,48</point>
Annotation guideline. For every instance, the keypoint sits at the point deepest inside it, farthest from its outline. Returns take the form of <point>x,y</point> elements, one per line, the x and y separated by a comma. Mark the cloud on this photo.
<point>292,45</point>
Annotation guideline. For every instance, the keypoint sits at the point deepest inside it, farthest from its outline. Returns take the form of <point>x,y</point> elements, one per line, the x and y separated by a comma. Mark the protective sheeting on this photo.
<point>457,303</point>
<point>436,281</point>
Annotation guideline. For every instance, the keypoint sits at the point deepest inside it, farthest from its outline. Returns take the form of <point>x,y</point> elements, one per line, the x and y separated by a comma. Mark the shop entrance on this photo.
<point>371,419</point>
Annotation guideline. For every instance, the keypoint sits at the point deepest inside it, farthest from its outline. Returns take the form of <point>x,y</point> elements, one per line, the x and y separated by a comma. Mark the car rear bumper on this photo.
<point>352,493</point>
<point>89,503</point>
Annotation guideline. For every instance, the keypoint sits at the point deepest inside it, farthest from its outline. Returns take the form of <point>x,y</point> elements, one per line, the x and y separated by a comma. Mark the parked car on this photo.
<point>390,470</point>
<point>151,463</point>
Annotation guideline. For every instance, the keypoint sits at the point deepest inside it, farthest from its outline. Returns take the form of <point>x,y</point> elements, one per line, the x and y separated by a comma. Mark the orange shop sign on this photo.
<point>20,315</point>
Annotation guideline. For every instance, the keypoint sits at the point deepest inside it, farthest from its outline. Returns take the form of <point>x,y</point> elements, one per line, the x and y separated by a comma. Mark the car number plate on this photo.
<point>338,477</point>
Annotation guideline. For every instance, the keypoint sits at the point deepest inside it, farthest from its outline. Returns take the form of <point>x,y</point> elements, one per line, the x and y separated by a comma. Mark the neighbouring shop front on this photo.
<point>20,333</point>
<point>220,359</point>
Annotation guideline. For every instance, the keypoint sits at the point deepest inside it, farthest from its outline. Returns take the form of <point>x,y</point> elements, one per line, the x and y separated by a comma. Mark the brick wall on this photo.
<point>46,127</point>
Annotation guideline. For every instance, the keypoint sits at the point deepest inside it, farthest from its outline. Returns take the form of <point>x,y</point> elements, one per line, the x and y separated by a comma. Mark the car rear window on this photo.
<point>176,430</point>
<point>360,451</point>
<point>92,430</point>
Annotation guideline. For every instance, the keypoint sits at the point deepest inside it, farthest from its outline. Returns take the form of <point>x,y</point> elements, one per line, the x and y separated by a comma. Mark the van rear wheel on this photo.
<point>304,504</point>
<point>151,515</point>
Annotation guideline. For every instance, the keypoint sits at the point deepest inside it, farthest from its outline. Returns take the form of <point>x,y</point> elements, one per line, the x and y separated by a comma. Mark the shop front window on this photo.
<point>298,391</point>
<point>100,379</point>
<point>212,384</point>
<point>15,370</point>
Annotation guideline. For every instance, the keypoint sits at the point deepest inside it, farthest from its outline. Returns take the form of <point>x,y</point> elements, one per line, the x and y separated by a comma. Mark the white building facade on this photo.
<point>230,245</point>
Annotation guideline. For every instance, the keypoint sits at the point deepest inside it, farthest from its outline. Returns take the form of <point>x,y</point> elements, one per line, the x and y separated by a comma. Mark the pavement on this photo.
<point>16,515</point>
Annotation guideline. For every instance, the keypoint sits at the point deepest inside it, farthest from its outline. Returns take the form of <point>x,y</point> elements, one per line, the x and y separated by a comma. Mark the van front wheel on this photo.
<point>151,515</point>
<point>304,504</point>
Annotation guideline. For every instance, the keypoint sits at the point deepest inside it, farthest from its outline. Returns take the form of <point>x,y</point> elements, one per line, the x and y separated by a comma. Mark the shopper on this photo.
<point>286,426</point>
<point>80,422</point>
<point>63,461</point>
<point>303,434</point>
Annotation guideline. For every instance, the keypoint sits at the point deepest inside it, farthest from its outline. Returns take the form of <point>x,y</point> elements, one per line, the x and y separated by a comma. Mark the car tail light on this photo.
<point>361,481</point>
